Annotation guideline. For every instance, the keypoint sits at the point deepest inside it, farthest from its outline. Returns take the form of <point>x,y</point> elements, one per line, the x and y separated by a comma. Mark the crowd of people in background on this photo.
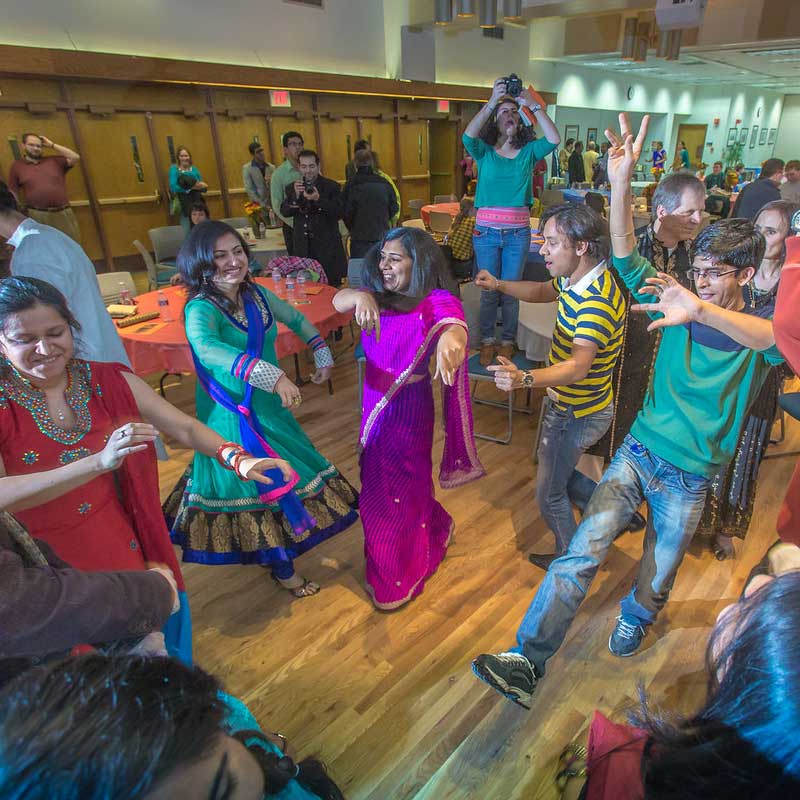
<point>669,351</point>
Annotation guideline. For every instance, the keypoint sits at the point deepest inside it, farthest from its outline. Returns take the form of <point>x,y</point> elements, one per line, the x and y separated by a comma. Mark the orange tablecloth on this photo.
<point>447,208</point>
<point>156,346</point>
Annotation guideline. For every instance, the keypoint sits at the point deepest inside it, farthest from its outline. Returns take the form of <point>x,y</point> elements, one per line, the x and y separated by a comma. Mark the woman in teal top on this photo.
<point>132,728</point>
<point>186,183</point>
<point>231,325</point>
<point>501,142</point>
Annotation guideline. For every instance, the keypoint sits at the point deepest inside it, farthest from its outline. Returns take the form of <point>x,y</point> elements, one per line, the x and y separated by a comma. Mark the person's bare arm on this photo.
<point>72,157</point>
<point>475,125</point>
<point>529,291</point>
<point>507,376</point>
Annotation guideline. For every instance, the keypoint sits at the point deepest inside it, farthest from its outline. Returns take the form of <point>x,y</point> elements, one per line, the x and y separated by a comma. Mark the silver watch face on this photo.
<point>795,223</point>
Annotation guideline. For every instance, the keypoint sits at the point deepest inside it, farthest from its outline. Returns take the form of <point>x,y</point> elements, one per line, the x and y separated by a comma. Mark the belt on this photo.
<point>52,209</point>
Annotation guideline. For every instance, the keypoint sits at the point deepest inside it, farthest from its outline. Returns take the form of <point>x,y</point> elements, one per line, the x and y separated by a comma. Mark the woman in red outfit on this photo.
<point>742,743</point>
<point>77,464</point>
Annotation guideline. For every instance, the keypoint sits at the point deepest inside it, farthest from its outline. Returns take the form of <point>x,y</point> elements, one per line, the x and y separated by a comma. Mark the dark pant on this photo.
<point>359,248</point>
<point>288,238</point>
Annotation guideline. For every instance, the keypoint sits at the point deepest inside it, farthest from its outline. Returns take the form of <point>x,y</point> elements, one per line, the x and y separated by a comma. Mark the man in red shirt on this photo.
<point>40,186</point>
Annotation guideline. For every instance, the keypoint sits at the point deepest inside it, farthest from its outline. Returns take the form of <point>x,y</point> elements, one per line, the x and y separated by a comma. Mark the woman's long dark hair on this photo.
<point>428,272</point>
<point>743,742</point>
<point>97,727</point>
<point>196,261</point>
<point>22,294</point>
<point>490,132</point>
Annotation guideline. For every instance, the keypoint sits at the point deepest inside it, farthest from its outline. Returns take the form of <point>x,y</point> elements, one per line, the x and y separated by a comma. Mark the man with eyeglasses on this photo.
<point>714,357</point>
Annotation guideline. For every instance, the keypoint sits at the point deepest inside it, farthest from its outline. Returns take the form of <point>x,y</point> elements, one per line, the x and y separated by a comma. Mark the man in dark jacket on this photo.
<point>47,608</point>
<point>764,190</point>
<point>315,203</point>
<point>369,205</point>
<point>577,173</point>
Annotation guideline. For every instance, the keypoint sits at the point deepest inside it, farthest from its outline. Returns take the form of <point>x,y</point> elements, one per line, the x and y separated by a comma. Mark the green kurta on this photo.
<point>219,519</point>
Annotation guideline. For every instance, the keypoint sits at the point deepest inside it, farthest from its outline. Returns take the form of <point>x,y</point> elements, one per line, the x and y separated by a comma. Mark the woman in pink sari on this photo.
<point>407,317</point>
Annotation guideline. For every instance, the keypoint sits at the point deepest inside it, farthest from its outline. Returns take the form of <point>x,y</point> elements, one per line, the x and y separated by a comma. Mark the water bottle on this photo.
<point>163,307</point>
<point>273,221</point>
<point>301,284</point>
<point>278,280</point>
<point>125,298</point>
<point>262,230</point>
<point>290,284</point>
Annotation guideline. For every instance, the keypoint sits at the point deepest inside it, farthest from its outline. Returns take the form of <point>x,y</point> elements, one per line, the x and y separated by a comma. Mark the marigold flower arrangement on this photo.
<point>255,213</point>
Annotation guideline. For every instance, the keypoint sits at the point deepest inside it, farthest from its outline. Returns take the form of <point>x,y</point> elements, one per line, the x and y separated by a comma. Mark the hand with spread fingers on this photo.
<point>451,351</point>
<point>507,375</point>
<point>678,305</point>
<point>368,315</point>
<point>288,391</point>
<point>133,437</point>
<point>625,150</point>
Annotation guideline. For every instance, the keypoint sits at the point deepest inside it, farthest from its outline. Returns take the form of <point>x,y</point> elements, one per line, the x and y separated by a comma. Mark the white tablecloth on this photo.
<point>535,329</point>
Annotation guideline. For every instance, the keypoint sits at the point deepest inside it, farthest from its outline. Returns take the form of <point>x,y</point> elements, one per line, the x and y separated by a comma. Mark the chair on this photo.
<point>110,288</point>
<point>156,277</point>
<point>596,201</point>
<point>470,300</point>
<point>286,265</point>
<point>444,198</point>
<point>355,267</point>
<point>440,222</point>
<point>166,242</point>
<point>414,223</point>
<point>415,206</point>
<point>237,222</point>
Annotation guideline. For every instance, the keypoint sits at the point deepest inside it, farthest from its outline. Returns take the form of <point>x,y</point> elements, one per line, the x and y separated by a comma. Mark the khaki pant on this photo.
<point>64,220</point>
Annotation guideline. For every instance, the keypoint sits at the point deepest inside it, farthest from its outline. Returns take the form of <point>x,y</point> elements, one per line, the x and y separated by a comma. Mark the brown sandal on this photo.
<point>306,589</point>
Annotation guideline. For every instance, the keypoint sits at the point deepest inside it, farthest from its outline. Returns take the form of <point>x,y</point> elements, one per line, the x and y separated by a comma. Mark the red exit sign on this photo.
<point>443,106</point>
<point>280,98</point>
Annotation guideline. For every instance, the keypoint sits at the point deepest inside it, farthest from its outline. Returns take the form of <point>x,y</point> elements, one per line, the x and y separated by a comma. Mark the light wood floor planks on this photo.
<point>388,701</point>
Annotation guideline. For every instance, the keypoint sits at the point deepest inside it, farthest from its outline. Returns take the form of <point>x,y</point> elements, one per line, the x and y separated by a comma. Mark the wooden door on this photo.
<point>235,136</point>
<point>125,179</point>
<point>415,158</point>
<point>443,166</point>
<point>338,138</point>
<point>177,130</point>
<point>15,122</point>
<point>695,138</point>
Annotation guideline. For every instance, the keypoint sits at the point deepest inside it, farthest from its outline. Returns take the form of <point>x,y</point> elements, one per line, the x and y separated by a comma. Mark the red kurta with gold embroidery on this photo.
<point>88,527</point>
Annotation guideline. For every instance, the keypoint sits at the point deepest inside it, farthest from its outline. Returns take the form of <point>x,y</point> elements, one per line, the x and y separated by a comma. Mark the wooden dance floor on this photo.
<point>387,700</point>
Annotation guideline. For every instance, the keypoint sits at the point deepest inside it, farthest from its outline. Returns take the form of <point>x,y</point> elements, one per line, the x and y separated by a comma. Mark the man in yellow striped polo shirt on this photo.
<point>587,339</point>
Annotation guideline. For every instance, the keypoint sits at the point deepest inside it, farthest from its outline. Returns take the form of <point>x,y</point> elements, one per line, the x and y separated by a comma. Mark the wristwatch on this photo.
<point>527,379</point>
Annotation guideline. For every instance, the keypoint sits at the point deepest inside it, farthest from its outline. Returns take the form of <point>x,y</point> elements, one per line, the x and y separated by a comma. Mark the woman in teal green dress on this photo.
<point>231,325</point>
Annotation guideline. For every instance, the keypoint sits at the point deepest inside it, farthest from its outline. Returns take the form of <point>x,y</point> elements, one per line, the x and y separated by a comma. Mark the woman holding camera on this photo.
<point>502,143</point>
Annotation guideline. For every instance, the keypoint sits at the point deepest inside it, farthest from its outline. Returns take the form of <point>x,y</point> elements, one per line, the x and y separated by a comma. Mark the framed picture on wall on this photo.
<point>591,135</point>
<point>743,136</point>
<point>571,132</point>
<point>753,136</point>
<point>763,138</point>
<point>732,133</point>
<point>773,135</point>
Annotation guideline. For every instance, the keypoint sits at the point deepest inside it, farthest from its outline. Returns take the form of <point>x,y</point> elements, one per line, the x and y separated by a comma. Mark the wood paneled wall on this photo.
<point>117,196</point>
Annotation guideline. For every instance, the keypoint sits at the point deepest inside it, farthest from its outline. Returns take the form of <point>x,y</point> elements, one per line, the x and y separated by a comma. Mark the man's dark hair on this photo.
<point>308,154</point>
<point>254,147</point>
<point>7,200</point>
<point>717,162</point>
<point>579,147</point>
<point>361,144</point>
<point>735,242</point>
<point>291,135</point>
<point>25,136</point>
<point>669,191</point>
<point>363,158</point>
<point>772,166</point>
<point>580,224</point>
<point>569,142</point>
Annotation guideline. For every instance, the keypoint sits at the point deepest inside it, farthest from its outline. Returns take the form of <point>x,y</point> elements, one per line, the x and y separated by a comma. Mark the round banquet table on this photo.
<point>157,346</point>
<point>446,208</point>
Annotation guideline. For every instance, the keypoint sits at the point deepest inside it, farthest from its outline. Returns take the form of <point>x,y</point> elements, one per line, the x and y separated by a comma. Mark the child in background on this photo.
<point>459,239</point>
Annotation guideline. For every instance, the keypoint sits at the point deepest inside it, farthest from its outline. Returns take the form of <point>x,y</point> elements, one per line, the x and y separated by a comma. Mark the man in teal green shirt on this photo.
<point>714,357</point>
<point>283,177</point>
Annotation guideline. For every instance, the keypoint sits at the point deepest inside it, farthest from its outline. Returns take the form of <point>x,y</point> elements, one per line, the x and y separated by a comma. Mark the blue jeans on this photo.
<point>564,439</point>
<point>502,252</point>
<point>675,499</point>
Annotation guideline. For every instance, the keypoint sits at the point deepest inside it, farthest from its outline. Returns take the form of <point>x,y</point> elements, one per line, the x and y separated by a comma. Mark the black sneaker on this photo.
<point>626,638</point>
<point>511,674</point>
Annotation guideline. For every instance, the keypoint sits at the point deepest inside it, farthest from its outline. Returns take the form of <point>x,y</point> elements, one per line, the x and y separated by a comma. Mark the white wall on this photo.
<point>787,146</point>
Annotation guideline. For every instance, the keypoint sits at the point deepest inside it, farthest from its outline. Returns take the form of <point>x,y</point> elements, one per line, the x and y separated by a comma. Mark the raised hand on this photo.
<point>133,437</point>
<point>625,150</point>
<point>499,90</point>
<point>678,305</point>
<point>507,375</point>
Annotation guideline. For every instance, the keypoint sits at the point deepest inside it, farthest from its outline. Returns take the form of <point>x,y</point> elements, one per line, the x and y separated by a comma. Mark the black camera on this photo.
<point>308,186</point>
<point>513,85</point>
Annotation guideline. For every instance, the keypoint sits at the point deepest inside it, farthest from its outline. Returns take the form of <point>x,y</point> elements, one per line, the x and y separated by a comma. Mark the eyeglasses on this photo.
<point>711,274</point>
